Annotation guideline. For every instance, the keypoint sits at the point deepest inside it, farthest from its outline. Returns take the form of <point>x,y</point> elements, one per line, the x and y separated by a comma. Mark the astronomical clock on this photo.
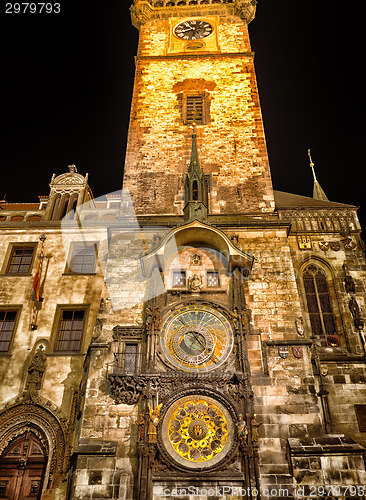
<point>196,338</point>
<point>197,432</point>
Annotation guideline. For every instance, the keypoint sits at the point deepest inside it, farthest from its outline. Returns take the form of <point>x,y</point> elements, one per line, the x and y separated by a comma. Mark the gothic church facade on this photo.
<point>197,334</point>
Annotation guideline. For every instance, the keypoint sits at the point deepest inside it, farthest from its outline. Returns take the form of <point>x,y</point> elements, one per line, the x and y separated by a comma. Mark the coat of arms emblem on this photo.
<point>283,351</point>
<point>298,351</point>
<point>304,242</point>
<point>324,245</point>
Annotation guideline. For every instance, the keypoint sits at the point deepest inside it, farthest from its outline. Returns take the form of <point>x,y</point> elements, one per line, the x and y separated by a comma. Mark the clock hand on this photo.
<point>195,335</point>
<point>212,356</point>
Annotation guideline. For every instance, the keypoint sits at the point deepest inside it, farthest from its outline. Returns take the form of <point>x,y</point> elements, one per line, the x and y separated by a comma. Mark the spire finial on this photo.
<point>318,193</point>
<point>312,166</point>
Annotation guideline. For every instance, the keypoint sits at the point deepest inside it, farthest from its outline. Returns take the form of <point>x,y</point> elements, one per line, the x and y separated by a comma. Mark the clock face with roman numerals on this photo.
<point>196,338</point>
<point>193,29</point>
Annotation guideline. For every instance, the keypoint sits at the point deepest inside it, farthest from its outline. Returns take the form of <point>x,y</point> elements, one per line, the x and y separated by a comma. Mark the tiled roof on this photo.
<point>288,200</point>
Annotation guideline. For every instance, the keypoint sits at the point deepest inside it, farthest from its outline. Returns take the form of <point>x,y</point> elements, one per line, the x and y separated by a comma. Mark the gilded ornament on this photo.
<point>198,430</point>
<point>304,242</point>
<point>153,422</point>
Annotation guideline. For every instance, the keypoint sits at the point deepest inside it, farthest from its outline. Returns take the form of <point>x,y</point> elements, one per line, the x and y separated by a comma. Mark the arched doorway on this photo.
<point>22,468</point>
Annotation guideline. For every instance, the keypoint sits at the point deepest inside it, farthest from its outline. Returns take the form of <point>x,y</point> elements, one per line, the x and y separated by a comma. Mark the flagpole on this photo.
<point>36,285</point>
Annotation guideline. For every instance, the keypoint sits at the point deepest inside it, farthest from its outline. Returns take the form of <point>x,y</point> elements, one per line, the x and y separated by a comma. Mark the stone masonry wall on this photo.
<point>63,372</point>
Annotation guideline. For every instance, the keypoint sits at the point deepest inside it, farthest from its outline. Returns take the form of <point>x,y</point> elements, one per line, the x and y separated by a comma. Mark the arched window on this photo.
<point>65,204</point>
<point>318,301</point>
<point>73,204</point>
<point>56,207</point>
<point>195,190</point>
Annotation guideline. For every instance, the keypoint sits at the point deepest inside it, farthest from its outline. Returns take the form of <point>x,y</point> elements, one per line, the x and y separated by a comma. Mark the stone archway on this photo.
<point>49,432</point>
<point>22,468</point>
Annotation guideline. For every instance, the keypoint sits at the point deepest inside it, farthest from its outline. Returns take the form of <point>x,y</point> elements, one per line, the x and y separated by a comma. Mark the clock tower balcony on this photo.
<point>144,10</point>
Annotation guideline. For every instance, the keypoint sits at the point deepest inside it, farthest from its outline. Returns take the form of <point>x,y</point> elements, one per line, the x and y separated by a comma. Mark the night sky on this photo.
<point>67,80</point>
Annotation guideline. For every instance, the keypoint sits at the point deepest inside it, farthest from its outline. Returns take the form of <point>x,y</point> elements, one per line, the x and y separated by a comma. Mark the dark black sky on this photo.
<point>67,80</point>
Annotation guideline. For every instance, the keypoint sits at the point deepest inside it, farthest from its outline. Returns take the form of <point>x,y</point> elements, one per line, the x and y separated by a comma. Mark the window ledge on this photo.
<point>79,274</point>
<point>64,353</point>
<point>16,274</point>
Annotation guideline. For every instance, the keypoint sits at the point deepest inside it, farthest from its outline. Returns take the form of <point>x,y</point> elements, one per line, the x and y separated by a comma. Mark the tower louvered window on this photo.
<point>194,109</point>
<point>318,301</point>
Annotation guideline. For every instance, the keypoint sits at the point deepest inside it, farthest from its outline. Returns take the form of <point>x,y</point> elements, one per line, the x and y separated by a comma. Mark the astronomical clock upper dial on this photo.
<point>196,338</point>
<point>193,29</point>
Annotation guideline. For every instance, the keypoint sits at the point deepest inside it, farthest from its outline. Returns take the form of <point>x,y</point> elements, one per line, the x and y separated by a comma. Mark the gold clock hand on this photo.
<point>212,356</point>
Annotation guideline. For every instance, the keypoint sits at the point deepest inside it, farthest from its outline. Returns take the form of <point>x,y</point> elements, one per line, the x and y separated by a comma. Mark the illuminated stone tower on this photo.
<point>194,63</point>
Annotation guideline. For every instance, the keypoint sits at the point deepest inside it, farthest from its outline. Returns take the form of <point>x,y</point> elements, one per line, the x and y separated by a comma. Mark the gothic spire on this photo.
<point>318,193</point>
<point>195,191</point>
<point>194,163</point>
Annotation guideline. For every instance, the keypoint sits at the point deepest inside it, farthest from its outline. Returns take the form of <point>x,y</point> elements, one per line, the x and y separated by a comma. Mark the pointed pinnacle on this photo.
<point>318,193</point>
<point>194,162</point>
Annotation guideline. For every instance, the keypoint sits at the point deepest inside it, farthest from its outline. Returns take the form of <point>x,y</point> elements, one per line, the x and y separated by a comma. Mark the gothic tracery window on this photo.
<point>318,301</point>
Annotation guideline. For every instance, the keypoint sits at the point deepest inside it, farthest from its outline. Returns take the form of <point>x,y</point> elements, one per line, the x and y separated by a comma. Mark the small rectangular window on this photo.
<point>7,325</point>
<point>70,331</point>
<point>179,278</point>
<point>361,417</point>
<point>213,278</point>
<point>83,259</point>
<point>131,353</point>
<point>20,261</point>
<point>194,109</point>
<point>114,204</point>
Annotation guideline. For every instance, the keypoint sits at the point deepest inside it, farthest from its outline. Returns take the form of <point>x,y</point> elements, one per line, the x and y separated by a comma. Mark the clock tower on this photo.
<point>195,64</point>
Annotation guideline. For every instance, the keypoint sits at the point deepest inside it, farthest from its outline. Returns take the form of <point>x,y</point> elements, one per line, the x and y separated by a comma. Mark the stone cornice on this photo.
<point>143,11</point>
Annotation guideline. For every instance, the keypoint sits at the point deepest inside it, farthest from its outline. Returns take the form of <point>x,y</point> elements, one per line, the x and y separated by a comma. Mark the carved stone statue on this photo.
<point>156,317</point>
<point>299,323</point>
<point>356,312</point>
<point>348,280</point>
<point>36,370</point>
<point>148,317</point>
<point>195,282</point>
<point>153,422</point>
<point>236,318</point>
<point>141,425</point>
<point>242,430</point>
<point>254,427</point>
